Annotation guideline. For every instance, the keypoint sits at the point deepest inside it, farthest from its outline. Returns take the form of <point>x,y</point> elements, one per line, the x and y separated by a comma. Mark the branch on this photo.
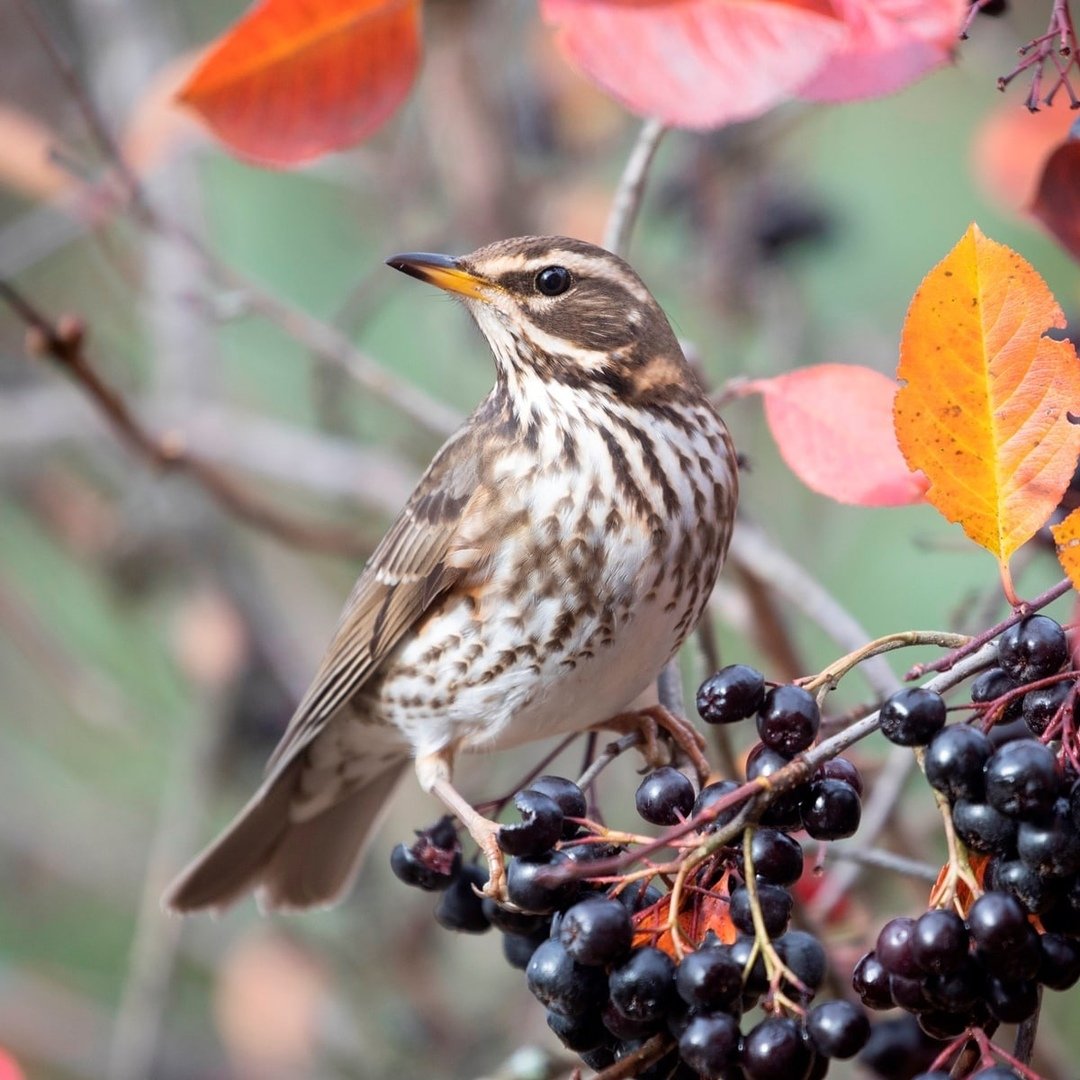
<point>628,195</point>
<point>64,341</point>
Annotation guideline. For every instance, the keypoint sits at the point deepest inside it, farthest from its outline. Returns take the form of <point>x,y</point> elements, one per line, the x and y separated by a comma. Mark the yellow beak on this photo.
<point>441,271</point>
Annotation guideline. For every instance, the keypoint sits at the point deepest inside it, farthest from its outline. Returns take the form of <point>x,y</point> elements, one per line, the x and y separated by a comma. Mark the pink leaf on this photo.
<point>696,63</point>
<point>890,44</point>
<point>833,424</point>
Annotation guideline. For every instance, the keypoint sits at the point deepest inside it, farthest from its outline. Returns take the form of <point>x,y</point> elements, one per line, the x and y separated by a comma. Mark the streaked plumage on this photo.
<point>555,554</point>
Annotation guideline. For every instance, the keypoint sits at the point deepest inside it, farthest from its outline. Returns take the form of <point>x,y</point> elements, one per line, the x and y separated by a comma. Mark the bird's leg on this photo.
<point>648,722</point>
<point>434,772</point>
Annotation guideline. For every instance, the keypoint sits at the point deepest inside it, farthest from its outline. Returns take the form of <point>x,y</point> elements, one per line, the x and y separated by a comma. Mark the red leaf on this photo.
<point>293,80</point>
<point>834,427</point>
<point>696,63</point>
<point>1057,201</point>
<point>891,43</point>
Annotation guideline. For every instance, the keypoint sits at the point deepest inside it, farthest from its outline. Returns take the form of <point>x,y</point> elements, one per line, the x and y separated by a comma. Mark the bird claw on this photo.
<point>649,722</point>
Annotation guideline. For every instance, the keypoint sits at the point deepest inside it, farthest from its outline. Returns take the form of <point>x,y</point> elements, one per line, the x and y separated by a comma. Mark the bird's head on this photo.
<point>561,309</point>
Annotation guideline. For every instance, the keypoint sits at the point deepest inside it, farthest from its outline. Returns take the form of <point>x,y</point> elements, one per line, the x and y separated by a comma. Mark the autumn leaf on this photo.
<point>1057,200</point>
<point>833,425</point>
<point>696,63</point>
<point>702,913</point>
<point>983,409</point>
<point>890,44</point>
<point>1067,538</point>
<point>292,81</point>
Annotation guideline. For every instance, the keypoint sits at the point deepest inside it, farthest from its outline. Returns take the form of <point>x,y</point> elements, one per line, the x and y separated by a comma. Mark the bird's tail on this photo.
<point>290,864</point>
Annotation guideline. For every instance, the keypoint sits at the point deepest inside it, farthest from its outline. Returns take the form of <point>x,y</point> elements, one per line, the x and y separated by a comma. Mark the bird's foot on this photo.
<point>649,722</point>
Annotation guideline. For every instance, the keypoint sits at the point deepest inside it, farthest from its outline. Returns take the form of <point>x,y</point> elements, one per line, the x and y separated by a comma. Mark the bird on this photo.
<point>554,556</point>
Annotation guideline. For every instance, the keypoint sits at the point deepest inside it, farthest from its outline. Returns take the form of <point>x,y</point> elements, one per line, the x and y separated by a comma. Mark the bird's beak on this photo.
<point>443,271</point>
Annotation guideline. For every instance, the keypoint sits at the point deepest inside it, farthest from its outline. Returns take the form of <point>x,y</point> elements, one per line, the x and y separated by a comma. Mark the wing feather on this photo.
<point>418,560</point>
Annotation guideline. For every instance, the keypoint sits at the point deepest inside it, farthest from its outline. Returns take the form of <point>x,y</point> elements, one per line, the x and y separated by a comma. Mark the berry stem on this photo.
<point>629,1066</point>
<point>958,867</point>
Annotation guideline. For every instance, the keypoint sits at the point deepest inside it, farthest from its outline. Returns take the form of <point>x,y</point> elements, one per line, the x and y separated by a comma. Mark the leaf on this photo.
<point>890,44</point>
<point>1067,538</point>
<point>983,411</point>
<point>696,63</point>
<point>701,913</point>
<point>833,425</point>
<point>26,162</point>
<point>1057,200</point>
<point>294,79</point>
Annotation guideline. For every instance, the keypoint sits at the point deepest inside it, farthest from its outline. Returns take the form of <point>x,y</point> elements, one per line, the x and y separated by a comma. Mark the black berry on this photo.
<point>775,1048</point>
<point>527,889</point>
<point>540,827</point>
<point>1042,704</point>
<point>710,1043</point>
<point>1022,779</point>
<point>732,694</point>
<point>837,1029</point>
<point>665,797</point>
<point>912,716</point>
<point>459,907</point>
<point>995,683</point>
<point>710,796</point>
<point>777,858</point>
<point>568,795</point>
<point>596,931</point>
<point>433,861</point>
<point>870,980</point>
<point>982,828</point>
<point>562,984</point>
<point>789,719</point>
<point>643,987</point>
<point>775,905</point>
<point>939,941</point>
<point>954,762</point>
<point>831,810</point>
<point>709,978</point>
<point>1032,649</point>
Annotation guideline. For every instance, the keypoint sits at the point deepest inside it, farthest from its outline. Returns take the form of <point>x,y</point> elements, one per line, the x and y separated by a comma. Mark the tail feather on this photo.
<point>289,864</point>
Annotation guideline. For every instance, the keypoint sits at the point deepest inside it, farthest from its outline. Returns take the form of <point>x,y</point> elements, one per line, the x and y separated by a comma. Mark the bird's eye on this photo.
<point>553,280</point>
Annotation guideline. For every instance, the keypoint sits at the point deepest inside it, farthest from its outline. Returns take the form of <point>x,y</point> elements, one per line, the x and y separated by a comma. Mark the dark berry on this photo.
<point>568,795</point>
<point>870,981</point>
<point>982,828</point>
<point>733,693</point>
<point>459,907</point>
<point>586,850</point>
<point>1032,649</point>
<point>775,1048</point>
<point>596,931</point>
<point>912,716</point>
<point>637,897</point>
<point>578,1033</point>
<point>837,1029</point>
<point>784,811</point>
<point>998,923</point>
<point>1059,964</point>
<point>1012,876</point>
<point>954,762</point>
<point>995,683</point>
<point>599,1059</point>
<point>709,978</point>
<point>710,1043</point>
<point>519,948</point>
<point>539,829</point>
<point>515,922</point>
<point>895,947</point>
<point>958,990</point>
<point>777,858</point>
<point>643,987</point>
<point>664,797</point>
<point>1042,704</point>
<point>804,955</point>
<point>1011,1002</point>
<point>939,941</point>
<point>740,950</point>
<point>433,861</point>
<point>1051,847</point>
<point>910,993</point>
<point>710,796</point>
<point>942,1025</point>
<point>624,1029</point>
<point>562,984</point>
<point>841,768</point>
<point>832,810</point>
<point>993,8</point>
<point>1019,961</point>
<point>775,904</point>
<point>897,1048</point>
<point>527,888</point>
<point>1022,779</point>
<point>789,719</point>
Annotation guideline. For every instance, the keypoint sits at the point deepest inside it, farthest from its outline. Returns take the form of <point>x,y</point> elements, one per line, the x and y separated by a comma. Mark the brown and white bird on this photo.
<point>553,557</point>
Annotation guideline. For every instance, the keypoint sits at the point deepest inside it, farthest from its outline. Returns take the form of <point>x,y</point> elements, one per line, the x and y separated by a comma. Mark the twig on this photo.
<point>64,341</point>
<point>880,859</point>
<point>1024,1046</point>
<point>606,757</point>
<point>628,195</point>
<point>629,1066</point>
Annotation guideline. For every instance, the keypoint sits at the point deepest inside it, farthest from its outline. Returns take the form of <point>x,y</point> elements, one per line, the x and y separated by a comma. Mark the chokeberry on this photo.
<point>789,719</point>
<point>1051,847</point>
<point>1032,649</point>
<point>1011,1002</point>
<point>596,931</point>
<point>562,984</point>
<point>1022,779</point>
<point>459,907</point>
<point>995,683</point>
<point>784,812</point>
<point>568,795</point>
<point>841,768</point>
<point>954,762</point>
<point>870,980</point>
<point>1059,965</point>
<point>984,829</point>
<point>998,923</point>
<point>804,955</point>
<point>939,941</point>
<point>527,888</point>
<point>433,861</point>
<point>710,1043</point>
<point>777,857</point>
<point>644,986</point>
<point>578,1033</point>
<point>539,829</point>
<point>775,1048</point>
<point>1012,876</point>
<point>831,810</point>
<point>709,978</point>
<point>732,694</point>
<point>837,1029</point>
<point>710,796</point>
<point>774,903</point>
<point>895,947</point>
<point>912,716</point>
<point>1041,705</point>
<point>664,797</point>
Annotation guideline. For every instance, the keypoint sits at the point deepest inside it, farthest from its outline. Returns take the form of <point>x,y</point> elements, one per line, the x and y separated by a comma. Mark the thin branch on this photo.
<point>64,341</point>
<point>1024,1046</point>
<point>879,859</point>
<point>631,189</point>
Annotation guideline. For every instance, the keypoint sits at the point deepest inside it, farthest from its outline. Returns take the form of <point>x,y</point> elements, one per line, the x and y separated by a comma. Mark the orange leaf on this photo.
<point>26,162</point>
<point>833,425</point>
<point>701,913</point>
<point>1057,200</point>
<point>1067,538</point>
<point>978,864</point>
<point>696,63</point>
<point>983,408</point>
<point>891,44</point>
<point>293,80</point>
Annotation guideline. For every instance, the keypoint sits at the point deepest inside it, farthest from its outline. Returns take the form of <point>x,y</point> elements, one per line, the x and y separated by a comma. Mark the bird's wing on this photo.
<point>431,546</point>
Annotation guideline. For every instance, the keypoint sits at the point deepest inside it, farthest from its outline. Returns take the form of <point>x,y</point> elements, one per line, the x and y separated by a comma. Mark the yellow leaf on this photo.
<point>983,409</point>
<point>1067,538</point>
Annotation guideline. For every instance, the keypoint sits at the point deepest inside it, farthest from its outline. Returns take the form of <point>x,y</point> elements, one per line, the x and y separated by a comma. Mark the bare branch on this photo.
<point>628,195</point>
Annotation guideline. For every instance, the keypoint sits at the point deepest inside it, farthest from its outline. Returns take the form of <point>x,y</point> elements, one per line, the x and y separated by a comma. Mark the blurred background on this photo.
<point>152,645</point>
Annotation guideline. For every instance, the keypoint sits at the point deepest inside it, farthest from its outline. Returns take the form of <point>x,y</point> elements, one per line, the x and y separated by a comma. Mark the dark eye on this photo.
<point>553,280</point>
